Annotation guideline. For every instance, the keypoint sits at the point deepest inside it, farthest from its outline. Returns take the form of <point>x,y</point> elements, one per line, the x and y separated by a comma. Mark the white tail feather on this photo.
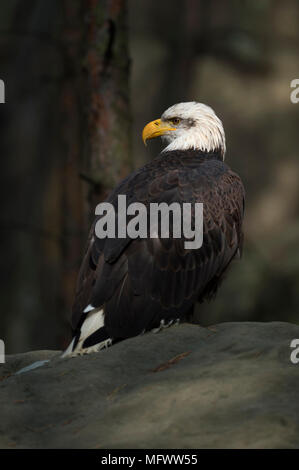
<point>93,321</point>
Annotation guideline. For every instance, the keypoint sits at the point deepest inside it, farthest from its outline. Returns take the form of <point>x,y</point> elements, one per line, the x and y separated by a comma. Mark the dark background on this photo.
<point>82,79</point>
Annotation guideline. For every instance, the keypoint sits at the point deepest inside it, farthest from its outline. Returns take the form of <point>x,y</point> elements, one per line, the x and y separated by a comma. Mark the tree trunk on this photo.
<point>66,121</point>
<point>107,146</point>
<point>96,113</point>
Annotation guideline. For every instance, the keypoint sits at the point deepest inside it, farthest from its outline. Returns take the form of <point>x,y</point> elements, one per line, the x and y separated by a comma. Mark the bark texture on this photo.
<point>65,141</point>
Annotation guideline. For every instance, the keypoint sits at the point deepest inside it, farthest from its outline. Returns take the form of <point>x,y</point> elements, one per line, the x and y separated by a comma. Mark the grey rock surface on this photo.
<point>228,386</point>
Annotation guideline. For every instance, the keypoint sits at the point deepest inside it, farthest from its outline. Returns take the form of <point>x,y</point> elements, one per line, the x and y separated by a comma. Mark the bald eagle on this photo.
<point>130,286</point>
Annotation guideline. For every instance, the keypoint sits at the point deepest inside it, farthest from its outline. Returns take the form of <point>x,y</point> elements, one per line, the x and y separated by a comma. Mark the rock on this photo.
<point>228,386</point>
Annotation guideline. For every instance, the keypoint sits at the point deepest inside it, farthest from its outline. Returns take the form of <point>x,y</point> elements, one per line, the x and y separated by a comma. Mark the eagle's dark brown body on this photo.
<point>140,282</point>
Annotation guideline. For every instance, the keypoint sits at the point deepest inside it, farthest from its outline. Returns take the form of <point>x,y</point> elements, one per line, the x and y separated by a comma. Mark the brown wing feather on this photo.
<point>142,281</point>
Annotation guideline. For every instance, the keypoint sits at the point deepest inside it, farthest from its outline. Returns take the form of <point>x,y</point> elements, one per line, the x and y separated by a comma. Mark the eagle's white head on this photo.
<point>189,125</point>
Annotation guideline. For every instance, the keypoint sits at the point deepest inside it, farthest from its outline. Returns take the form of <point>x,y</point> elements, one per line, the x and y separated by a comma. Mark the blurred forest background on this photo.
<point>82,78</point>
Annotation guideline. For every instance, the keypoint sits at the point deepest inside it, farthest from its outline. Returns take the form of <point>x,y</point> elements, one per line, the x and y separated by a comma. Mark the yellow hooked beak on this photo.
<point>155,129</point>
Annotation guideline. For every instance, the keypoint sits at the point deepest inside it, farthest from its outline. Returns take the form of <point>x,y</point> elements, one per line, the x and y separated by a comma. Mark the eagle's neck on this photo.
<point>198,155</point>
<point>207,136</point>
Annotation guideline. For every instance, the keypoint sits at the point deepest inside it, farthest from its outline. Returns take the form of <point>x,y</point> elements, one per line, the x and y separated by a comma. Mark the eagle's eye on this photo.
<point>175,121</point>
